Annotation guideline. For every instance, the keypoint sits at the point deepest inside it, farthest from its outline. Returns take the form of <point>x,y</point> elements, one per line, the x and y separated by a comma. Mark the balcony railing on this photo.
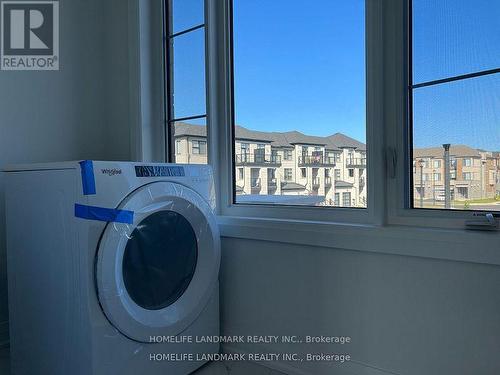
<point>255,182</point>
<point>258,159</point>
<point>316,160</point>
<point>356,163</point>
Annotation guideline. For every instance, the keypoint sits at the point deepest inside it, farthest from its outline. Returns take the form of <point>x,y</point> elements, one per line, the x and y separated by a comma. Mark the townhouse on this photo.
<point>332,168</point>
<point>473,173</point>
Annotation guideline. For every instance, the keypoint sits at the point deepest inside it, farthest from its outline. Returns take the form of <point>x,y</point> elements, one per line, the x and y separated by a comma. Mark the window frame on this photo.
<point>399,139</point>
<point>387,107</point>
<point>168,77</point>
<point>220,112</point>
<point>387,228</point>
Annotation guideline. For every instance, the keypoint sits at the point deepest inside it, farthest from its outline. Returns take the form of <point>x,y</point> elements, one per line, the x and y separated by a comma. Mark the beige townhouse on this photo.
<point>473,173</point>
<point>332,168</point>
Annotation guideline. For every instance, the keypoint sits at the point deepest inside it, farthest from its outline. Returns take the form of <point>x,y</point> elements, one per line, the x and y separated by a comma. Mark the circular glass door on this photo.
<point>155,276</point>
<point>159,260</point>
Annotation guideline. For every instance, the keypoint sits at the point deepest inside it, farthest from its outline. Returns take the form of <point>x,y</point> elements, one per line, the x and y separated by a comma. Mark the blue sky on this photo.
<point>455,37</point>
<point>301,66</point>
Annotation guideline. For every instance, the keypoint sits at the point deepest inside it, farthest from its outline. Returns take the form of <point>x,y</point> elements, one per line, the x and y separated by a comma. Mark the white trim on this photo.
<point>448,244</point>
<point>146,80</point>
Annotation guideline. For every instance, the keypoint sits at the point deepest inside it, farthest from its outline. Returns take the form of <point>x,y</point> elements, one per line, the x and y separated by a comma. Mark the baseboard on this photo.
<point>348,368</point>
<point>4,334</point>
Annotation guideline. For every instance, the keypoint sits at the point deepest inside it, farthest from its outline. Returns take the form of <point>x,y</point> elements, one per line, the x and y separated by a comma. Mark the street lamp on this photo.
<point>483,179</point>
<point>447,190</point>
<point>421,166</point>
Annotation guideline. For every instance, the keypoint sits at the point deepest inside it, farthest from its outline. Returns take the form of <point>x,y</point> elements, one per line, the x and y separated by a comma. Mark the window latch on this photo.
<point>486,222</point>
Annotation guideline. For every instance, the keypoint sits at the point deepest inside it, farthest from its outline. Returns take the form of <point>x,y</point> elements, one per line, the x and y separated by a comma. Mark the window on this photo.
<point>455,77</point>
<point>337,174</point>
<point>324,109</point>
<point>255,178</point>
<point>271,174</point>
<point>288,174</point>
<point>437,176</point>
<point>245,148</point>
<point>199,147</point>
<point>336,201</point>
<point>467,176</point>
<point>346,199</point>
<point>178,144</point>
<point>241,174</point>
<point>185,76</point>
<point>351,172</point>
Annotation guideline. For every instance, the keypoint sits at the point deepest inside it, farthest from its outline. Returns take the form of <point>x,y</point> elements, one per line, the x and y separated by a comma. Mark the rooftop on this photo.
<point>276,139</point>
<point>333,142</point>
<point>438,152</point>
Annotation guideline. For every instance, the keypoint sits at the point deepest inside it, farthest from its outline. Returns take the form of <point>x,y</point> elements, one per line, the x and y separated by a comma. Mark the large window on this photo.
<point>185,80</point>
<point>454,100</point>
<point>299,101</point>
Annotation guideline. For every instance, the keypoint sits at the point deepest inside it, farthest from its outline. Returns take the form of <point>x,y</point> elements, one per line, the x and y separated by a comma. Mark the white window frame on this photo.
<point>397,112</point>
<point>390,227</point>
<point>220,109</point>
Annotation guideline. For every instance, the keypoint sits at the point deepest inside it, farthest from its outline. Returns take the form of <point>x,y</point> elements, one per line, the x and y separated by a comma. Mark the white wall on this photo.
<point>406,315</point>
<point>79,112</point>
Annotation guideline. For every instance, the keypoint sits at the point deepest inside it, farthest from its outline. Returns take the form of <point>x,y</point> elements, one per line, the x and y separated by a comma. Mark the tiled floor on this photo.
<point>215,368</point>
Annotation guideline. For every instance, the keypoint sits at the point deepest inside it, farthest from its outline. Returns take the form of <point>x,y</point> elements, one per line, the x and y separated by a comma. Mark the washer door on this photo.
<point>155,276</point>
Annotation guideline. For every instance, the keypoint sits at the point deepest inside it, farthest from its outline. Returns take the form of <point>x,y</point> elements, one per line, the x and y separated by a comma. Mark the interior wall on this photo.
<point>78,112</point>
<point>406,315</point>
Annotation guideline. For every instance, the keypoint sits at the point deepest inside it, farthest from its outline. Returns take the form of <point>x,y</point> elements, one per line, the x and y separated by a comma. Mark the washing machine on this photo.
<point>112,268</point>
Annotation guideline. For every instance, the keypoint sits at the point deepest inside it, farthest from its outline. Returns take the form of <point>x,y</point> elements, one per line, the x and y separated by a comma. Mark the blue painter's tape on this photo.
<point>104,214</point>
<point>88,181</point>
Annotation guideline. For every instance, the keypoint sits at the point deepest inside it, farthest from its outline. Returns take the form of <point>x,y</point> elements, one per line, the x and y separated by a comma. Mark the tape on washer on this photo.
<point>104,214</point>
<point>88,180</point>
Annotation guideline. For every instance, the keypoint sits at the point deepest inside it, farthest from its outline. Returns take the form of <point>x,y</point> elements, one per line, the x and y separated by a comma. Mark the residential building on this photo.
<point>473,173</point>
<point>332,168</point>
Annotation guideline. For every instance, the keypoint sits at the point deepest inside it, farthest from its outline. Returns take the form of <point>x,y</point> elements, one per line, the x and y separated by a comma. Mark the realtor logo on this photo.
<point>29,35</point>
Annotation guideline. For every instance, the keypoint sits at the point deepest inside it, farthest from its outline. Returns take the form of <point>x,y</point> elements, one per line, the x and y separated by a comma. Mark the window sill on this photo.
<point>447,244</point>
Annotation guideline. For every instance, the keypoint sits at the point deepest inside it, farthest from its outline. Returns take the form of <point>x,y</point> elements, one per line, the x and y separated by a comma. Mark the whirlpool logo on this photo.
<point>29,35</point>
<point>111,172</point>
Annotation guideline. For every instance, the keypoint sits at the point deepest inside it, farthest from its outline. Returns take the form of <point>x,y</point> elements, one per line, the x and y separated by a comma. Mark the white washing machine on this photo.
<point>112,268</point>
